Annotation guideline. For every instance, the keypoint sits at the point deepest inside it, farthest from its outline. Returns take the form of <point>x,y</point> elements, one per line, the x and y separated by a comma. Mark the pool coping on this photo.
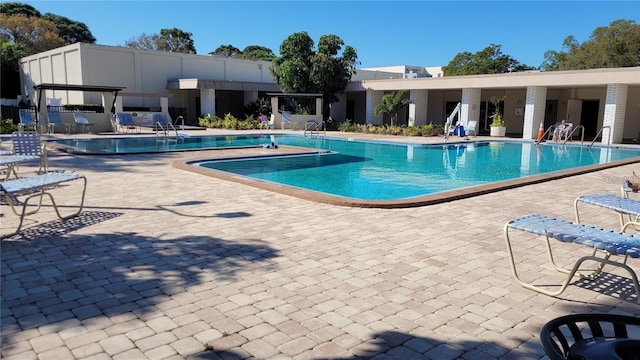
<point>190,164</point>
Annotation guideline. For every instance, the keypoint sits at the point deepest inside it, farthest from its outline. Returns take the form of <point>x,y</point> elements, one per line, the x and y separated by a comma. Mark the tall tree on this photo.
<point>255,52</point>
<point>170,40</point>
<point>617,45</point>
<point>227,50</point>
<point>300,69</point>
<point>14,8</point>
<point>71,31</point>
<point>143,42</point>
<point>176,40</point>
<point>32,35</point>
<point>489,60</point>
<point>391,104</point>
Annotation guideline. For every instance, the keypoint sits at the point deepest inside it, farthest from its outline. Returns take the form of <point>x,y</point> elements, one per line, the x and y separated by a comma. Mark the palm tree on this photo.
<point>391,104</point>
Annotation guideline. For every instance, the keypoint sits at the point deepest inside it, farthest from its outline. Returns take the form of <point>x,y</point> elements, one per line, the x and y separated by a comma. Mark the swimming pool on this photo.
<point>156,144</point>
<point>376,173</point>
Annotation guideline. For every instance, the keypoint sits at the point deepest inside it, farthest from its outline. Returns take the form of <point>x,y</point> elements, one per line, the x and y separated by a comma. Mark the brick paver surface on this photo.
<point>168,264</point>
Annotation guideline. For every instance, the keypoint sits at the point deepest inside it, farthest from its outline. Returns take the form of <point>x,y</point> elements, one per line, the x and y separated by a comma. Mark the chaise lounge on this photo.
<point>609,244</point>
<point>37,187</point>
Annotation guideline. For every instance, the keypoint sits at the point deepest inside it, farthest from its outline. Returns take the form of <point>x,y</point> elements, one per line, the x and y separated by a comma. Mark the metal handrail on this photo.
<point>311,126</point>
<point>566,138</point>
<point>599,133</point>
<point>545,134</point>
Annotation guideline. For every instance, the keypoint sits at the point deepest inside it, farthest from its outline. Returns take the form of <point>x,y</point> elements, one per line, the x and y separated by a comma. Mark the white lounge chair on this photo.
<point>37,187</point>
<point>471,127</point>
<point>28,143</point>
<point>609,243</point>
<point>81,120</point>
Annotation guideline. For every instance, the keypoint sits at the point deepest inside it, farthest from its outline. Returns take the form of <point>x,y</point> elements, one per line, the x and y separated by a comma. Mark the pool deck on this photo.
<point>171,264</point>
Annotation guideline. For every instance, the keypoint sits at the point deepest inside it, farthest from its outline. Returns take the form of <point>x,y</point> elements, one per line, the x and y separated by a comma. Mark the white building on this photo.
<point>193,85</point>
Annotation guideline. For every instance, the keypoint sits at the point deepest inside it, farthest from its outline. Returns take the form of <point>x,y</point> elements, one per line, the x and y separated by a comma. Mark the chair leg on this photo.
<point>41,195</point>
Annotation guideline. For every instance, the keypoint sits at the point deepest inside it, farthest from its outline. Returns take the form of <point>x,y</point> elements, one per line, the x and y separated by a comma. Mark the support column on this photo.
<point>164,105</point>
<point>107,101</point>
<point>208,101</point>
<point>420,100</point>
<point>119,107</point>
<point>470,106</point>
<point>373,98</point>
<point>614,110</point>
<point>534,111</point>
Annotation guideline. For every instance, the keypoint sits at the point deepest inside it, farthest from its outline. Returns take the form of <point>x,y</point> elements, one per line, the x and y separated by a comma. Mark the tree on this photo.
<point>300,69</point>
<point>176,40</point>
<point>255,52</point>
<point>71,31</point>
<point>489,60</point>
<point>9,71</point>
<point>143,42</point>
<point>391,104</point>
<point>32,35</point>
<point>170,40</point>
<point>227,50</point>
<point>15,8</point>
<point>617,45</point>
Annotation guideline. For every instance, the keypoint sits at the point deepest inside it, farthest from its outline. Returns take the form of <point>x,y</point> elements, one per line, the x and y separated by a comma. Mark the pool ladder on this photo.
<point>168,126</point>
<point>311,127</point>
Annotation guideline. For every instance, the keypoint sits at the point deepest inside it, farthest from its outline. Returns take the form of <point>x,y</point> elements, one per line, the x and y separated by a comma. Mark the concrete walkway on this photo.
<point>170,264</point>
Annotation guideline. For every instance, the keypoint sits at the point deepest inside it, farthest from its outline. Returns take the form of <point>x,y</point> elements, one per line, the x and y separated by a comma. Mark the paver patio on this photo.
<point>170,264</point>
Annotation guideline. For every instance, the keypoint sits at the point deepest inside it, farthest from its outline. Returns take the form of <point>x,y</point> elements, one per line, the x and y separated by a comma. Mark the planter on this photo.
<point>498,130</point>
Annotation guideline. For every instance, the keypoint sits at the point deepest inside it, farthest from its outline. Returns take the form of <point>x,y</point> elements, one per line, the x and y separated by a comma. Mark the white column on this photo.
<point>164,105</point>
<point>534,111</point>
<point>373,99</point>
<point>208,101</point>
<point>614,110</point>
<point>107,101</point>
<point>470,106</point>
<point>119,107</point>
<point>420,99</point>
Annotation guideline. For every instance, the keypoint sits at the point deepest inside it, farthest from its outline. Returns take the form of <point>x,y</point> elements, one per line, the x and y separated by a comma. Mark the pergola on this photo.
<point>93,88</point>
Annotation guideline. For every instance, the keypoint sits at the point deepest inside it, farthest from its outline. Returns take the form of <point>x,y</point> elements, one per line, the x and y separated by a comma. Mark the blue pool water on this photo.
<point>374,170</point>
<point>386,171</point>
<point>136,145</point>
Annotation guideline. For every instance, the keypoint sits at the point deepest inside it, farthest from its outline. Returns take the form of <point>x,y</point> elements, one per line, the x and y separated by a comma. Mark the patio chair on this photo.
<point>29,144</point>
<point>628,209</point>
<point>53,118</point>
<point>126,122</point>
<point>608,243</point>
<point>26,120</point>
<point>37,187</point>
<point>81,120</point>
<point>591,336</point>
<point>471,127</point>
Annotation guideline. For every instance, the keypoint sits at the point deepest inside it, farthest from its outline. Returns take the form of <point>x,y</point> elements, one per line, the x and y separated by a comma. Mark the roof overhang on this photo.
<point>295,95</point>
<point>199,84</point>
<point>70,87</point>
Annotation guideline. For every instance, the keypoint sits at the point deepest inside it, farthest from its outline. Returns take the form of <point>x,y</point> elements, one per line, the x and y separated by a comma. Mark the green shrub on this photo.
<point>7,126</point>
<point>412,131</point>
<point>346,126</point>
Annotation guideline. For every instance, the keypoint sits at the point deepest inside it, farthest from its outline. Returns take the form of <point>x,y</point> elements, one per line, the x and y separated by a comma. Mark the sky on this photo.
<point>384,33</point>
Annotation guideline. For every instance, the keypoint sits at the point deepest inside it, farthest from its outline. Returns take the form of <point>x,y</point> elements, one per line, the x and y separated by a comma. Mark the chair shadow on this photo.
<point>400,345</point>
<point>613,285</point>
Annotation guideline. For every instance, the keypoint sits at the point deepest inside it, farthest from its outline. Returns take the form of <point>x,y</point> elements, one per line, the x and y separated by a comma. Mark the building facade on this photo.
<point>606,100</point>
